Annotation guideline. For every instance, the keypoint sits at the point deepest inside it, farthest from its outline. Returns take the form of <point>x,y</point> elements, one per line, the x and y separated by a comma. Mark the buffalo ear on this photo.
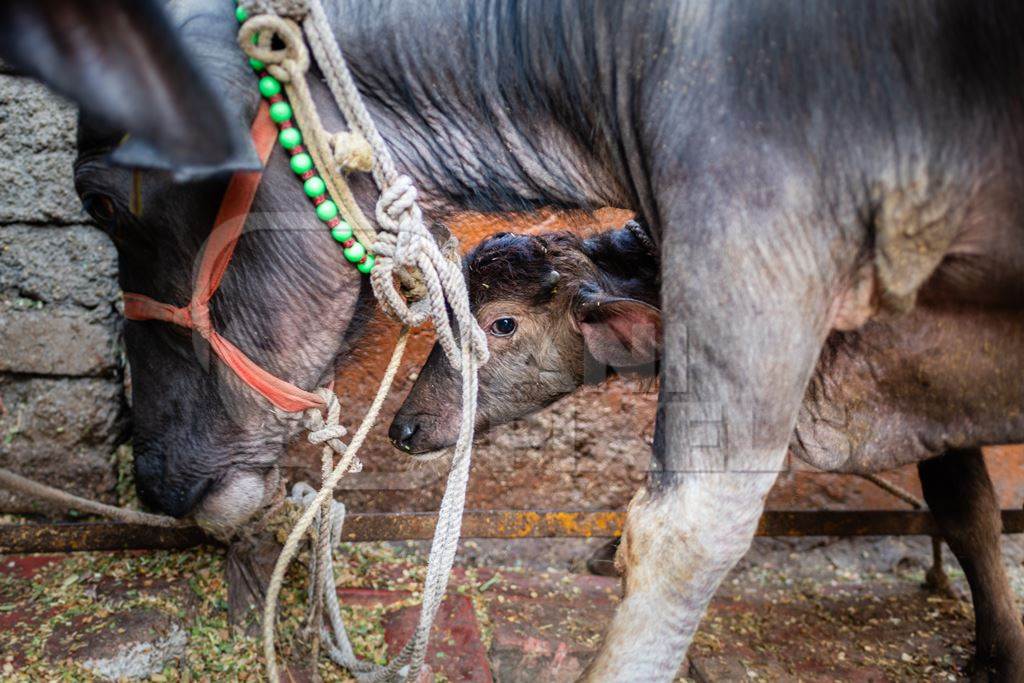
<point>620,332</point>
<point>122,62</point>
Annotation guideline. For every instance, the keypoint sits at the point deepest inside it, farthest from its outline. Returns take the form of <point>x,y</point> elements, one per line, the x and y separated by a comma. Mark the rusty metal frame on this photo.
<point>507,524</point>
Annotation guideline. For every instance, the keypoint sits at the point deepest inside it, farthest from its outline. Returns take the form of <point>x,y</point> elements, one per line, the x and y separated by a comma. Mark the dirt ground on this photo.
<point>803,610</point>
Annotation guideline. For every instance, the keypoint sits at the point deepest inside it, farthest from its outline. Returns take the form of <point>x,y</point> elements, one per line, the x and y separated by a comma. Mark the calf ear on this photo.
<point>121,61</point>
<point>620,332</point>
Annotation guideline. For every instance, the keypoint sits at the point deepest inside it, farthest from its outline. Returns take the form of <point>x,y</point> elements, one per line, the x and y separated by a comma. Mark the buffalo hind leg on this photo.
<point>959,492</point>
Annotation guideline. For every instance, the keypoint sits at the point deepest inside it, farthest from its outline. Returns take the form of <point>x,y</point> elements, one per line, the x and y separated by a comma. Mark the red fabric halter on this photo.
<point>227,228</point>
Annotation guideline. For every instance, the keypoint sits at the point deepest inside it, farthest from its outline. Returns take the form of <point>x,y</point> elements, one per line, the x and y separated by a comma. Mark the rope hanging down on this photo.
<point>409,264</point>
<point>407,256</point>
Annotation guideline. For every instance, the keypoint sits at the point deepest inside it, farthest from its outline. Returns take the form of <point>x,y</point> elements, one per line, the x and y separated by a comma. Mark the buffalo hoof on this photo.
<point>936,581</point>
<point>250,563</point>
<point>602,562</point>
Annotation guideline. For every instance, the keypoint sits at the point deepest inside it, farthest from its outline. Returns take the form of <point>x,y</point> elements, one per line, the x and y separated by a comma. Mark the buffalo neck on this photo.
<point>507,107</point>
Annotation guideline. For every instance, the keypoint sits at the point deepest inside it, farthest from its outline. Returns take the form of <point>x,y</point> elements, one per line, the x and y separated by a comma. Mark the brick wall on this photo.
<point>61,408</point>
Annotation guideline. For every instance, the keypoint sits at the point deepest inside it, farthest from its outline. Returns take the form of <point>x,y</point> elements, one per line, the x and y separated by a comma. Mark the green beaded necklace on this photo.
<point>302,164</point>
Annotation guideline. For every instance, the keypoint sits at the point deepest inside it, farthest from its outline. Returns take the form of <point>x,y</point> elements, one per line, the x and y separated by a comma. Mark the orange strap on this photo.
<point>227,228</point>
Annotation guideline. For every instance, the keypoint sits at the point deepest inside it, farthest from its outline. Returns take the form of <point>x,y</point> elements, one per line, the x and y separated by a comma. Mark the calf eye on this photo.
<point>503,327</point>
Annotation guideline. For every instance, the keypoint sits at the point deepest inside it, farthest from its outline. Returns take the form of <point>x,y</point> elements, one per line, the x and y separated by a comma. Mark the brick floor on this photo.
<point>529,627</point>
<point>456,647</point>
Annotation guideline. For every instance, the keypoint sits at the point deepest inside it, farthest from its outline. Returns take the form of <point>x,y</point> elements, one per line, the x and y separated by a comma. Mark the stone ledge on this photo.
<point>74,265</point>
<point>61,432</point>
<point>55,342</point>
<point>37,134</point>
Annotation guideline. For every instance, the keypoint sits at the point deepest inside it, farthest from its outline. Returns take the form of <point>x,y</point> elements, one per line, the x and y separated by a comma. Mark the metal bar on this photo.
<point>534,524</point>
<point>509,524</point>
<point>864,523</point>
<point>75,536</point>
<point>486,524</point>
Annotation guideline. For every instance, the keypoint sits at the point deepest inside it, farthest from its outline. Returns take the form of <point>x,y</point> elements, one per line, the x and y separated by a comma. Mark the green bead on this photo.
<point>327,210</point>
<point>341,232</point>
<point>290,138</point>
<point>241,14</point>
<point>280,112</point>
<point>301,163</point>
<point>256,64</point>
<point>366,266</point>
<point>355,253</point>
<point>256,39</point>
<point>314,187</point>
<point>269,86</point>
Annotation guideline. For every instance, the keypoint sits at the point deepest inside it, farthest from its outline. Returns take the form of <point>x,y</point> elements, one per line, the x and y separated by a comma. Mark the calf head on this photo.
<point>555,308</point>
<point>204,442</point>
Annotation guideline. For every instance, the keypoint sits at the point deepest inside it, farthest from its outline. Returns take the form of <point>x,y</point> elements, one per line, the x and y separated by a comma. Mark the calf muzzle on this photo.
<point>402,432</point>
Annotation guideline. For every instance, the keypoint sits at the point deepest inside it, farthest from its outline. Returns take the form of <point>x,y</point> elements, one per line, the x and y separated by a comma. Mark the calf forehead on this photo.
<point>515,267</point>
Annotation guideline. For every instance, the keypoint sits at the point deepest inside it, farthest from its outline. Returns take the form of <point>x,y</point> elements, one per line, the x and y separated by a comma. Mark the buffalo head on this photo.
<point>204,442</point>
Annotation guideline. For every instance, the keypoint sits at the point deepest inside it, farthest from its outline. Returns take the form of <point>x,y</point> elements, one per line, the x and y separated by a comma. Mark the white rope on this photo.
<point>335,639</point>
<point>324,495</point>
<point>403,241</point>
<point>405,252</point>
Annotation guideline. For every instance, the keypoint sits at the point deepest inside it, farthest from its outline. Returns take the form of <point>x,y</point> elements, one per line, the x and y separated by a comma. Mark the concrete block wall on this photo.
<point>62,411</point>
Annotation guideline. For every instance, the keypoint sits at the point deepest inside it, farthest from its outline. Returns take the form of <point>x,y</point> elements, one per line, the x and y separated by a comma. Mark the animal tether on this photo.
<point>408,260</point>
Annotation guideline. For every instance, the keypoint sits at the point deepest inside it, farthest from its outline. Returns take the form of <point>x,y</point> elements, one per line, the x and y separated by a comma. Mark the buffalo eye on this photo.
<point>99,206</point>
<point>503,327</point>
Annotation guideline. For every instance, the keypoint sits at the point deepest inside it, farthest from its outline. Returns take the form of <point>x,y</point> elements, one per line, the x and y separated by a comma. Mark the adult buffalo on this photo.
<point>804,168</point>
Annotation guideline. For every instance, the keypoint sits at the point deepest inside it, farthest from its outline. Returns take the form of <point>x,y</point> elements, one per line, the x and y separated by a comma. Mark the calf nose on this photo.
<point>401,432</point>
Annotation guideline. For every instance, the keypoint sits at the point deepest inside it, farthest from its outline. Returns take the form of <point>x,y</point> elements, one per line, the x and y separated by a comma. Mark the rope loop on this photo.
<point>408,261</point>
<point>325,428</point>
<point>405,241</point>
<point>390,298</point>
<point>286,63</point>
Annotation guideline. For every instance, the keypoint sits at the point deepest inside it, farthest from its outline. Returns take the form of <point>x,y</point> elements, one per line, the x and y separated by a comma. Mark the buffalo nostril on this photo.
<point>401,433</point>
<point>157,492</point>
<point>178,501</point>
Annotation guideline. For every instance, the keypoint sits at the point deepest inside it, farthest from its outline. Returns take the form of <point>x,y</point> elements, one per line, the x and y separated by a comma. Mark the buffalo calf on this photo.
<point>559,311</point>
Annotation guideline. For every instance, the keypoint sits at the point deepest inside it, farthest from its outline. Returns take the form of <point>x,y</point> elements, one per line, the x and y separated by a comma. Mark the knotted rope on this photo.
<point>335,639</point>
<point>352,152</point>
<point>414,280</point>
<point>408,259</point>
